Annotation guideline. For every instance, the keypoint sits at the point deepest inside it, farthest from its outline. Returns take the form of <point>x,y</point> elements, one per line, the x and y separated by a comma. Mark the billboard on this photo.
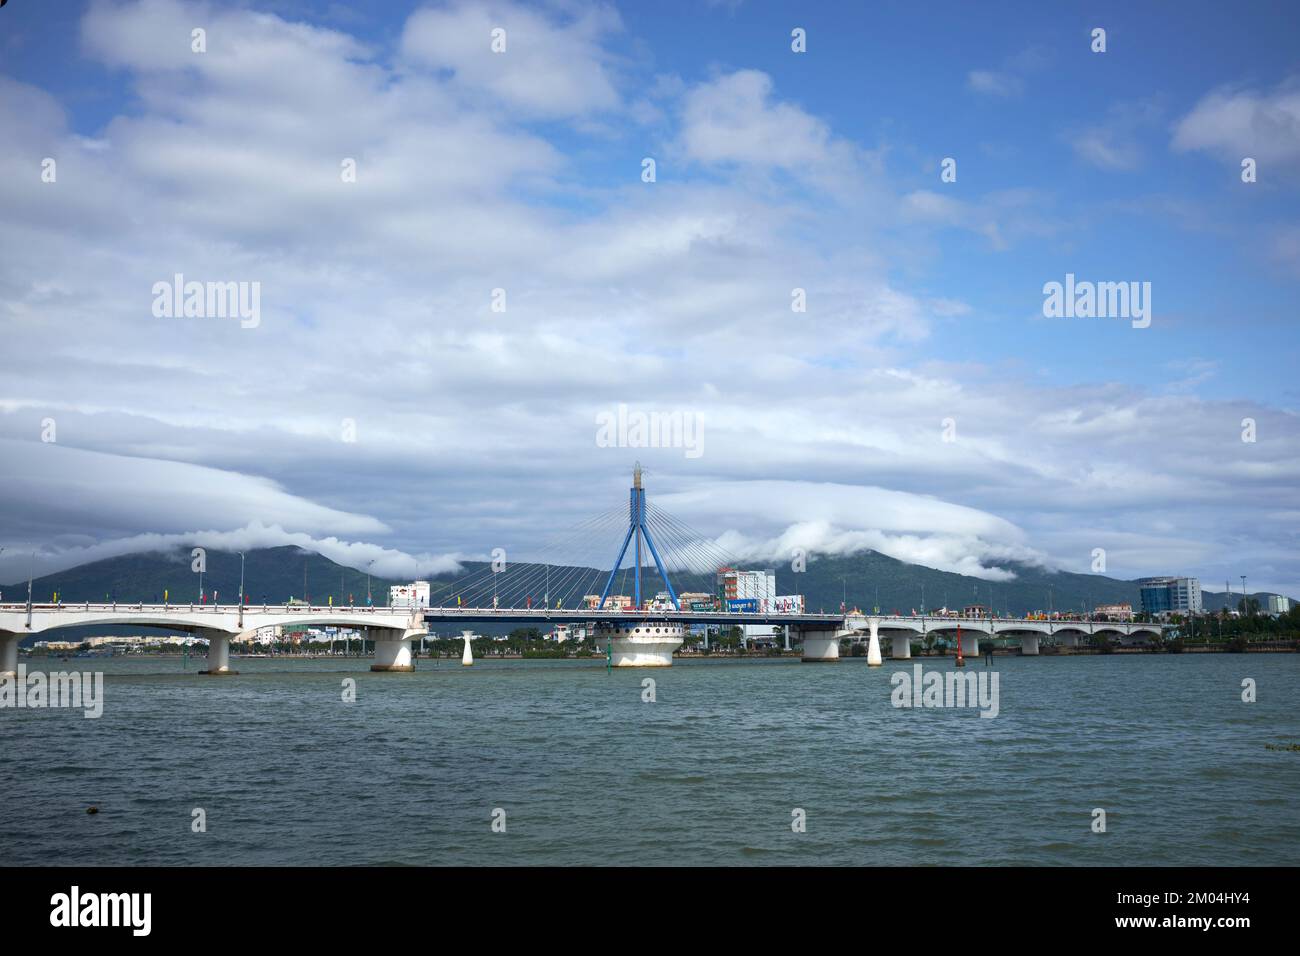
<point>743,605</point>
<point>703,606</point>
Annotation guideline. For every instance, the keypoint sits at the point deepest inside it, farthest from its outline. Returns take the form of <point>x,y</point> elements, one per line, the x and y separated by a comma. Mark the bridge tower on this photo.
<point>638,528</point>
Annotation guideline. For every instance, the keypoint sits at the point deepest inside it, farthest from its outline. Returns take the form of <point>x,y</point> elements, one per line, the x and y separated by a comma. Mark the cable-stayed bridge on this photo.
<point>638,626</point>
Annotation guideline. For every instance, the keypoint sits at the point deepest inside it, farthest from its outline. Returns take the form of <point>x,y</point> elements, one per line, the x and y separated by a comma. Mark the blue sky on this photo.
<point>775,170</point>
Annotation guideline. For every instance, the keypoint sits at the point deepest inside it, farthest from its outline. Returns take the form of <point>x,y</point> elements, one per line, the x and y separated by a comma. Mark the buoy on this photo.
<point>92,809</point>
<point>467,658</point>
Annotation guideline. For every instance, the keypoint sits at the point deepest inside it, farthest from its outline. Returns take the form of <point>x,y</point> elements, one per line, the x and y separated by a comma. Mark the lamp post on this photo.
<point>31,572</point>
<point>241,590</point>
<point>369,599</point>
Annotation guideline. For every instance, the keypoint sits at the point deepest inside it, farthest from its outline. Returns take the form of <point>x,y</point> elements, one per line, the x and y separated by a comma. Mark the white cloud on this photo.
<point>549,68</point>
<point>475,429</point>
<point>834,519</point>
<point>735,119</point>
<point>994,83</point>
<point>123,492</point>
<point>1100,147</point>
<point>1236,123</point>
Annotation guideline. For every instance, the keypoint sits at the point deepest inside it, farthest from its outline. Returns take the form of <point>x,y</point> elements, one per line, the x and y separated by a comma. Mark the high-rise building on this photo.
<point>756,586</point>
<point>1163,596</point>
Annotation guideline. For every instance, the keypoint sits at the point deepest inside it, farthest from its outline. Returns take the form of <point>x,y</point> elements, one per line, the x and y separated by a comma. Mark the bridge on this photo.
<point>901,629</point>
<point>636,632</point>
<point>392,629</point>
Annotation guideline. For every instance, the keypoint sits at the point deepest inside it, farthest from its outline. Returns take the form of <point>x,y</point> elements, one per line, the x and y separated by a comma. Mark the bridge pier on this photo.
<point>392,650</point>
<point>218,654</point>
<point>1029,645</point>
<point>821,646</point>
<point>9,653</point>
<point>873,647</point>
<point>970,644</point>
<point>902,648</point>
<point>1070,640</point>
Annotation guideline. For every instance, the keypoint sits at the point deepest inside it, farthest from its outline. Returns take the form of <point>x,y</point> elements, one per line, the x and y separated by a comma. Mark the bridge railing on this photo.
<point>197,608</point>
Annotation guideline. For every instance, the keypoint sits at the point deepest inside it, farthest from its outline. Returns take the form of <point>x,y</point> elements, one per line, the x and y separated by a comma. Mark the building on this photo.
<point>760,586</point>
<point>615,602</point>
<point>415,594</point>
<point>1277,604</point>
<point>706,602</point>
<point>736,585</point>
<point>1164,596</point>
<point>1114,612</point>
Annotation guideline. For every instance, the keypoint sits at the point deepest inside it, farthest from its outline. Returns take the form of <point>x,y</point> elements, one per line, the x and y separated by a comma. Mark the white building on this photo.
<point>1277,604</point>
<point>415,594</point>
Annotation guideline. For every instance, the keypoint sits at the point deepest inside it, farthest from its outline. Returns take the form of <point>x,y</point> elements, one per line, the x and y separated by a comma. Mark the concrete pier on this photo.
<point>467,655</point>
<point>218,654</point>
<point>970,644</point>
<point>873,647</point>
<point>1029,645</point>
<point>902,647</point>
<point>649,644</point>
<point>821,646</point>
<point>9,653</point>
<point>392,656</point>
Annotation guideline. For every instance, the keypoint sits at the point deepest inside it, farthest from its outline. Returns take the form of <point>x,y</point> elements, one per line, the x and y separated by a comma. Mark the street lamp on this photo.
<point>1245,607</point>
<point>31,571</point>
<point>241,589</point>
<point>369,599</point>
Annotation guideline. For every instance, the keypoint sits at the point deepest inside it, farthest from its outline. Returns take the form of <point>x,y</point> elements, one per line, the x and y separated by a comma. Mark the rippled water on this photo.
<point>709,774</point>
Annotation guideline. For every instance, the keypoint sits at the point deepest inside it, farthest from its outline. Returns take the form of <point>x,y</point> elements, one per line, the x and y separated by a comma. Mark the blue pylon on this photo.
<point>637,526</point>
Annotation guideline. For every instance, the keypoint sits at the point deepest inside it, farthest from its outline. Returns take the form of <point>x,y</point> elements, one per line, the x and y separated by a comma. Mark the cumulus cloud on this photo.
<point>548,68</point>
<point>476,429</point>
<point>735,119</point>
<point>1235,123</point>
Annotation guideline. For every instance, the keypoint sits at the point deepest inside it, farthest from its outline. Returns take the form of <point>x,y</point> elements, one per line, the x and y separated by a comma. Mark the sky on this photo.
<point>465,273</point>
